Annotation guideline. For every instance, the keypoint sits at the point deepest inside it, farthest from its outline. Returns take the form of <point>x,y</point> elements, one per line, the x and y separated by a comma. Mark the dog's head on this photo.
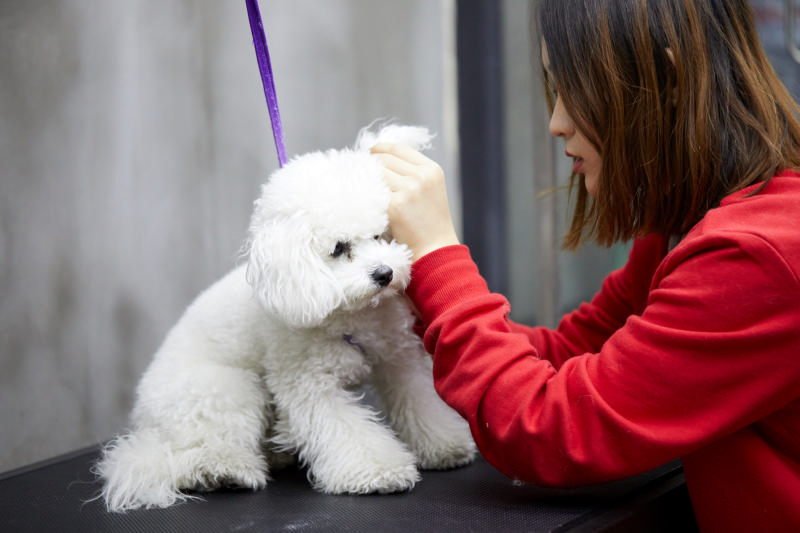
<point>318,238</point>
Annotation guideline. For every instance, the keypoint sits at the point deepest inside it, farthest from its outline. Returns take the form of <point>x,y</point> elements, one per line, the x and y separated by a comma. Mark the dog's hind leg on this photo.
<point>198,429</point>
<point>136,471</point>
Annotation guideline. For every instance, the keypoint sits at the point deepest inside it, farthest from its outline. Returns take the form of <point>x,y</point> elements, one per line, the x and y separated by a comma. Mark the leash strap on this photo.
<point>264,65</point>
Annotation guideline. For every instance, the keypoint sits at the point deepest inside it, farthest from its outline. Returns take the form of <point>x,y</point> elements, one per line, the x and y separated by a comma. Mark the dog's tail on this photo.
<point>138,470</point>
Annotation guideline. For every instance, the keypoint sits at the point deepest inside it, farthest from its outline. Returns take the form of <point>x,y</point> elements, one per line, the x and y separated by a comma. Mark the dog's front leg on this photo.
<point>346,448</point>
<point>403,386</point>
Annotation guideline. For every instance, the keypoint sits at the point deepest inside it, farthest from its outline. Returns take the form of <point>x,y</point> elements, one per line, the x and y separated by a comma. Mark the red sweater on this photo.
<point>690,353</point>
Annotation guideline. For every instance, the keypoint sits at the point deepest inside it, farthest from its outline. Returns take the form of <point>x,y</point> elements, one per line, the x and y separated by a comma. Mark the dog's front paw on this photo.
<point>445,455</point>
<point>382,474</point>
<point>397,479</point>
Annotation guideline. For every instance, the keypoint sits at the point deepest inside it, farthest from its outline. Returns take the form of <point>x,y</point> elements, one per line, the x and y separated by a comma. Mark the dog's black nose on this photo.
<point>382,275</point>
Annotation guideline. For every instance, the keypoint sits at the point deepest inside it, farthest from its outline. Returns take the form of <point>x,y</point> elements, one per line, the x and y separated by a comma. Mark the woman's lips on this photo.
<point>577,163</point>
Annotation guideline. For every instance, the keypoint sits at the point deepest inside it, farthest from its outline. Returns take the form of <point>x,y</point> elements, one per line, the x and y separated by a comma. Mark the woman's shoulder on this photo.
<point>772,213</point>
<point>762,225</point>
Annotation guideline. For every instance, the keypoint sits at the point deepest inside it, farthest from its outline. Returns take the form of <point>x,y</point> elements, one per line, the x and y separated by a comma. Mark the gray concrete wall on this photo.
<point>133,137</point>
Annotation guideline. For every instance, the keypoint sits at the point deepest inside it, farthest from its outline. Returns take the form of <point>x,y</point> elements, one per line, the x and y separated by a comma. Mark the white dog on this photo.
<point>267,363</point>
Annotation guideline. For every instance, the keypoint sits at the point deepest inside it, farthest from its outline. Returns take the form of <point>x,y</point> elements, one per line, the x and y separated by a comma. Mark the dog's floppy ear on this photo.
<point>417,137</point>
<point>289,277</point>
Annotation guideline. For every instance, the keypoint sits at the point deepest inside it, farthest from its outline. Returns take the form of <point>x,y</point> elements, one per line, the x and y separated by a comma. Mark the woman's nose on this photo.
<point>560,123</point>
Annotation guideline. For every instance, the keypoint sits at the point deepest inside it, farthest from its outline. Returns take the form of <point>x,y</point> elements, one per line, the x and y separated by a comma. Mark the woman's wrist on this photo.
<point>442,276</point>
<point>423,249</point>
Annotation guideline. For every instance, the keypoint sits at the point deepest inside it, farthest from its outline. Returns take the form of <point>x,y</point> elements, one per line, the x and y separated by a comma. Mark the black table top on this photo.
<point>56,495</point>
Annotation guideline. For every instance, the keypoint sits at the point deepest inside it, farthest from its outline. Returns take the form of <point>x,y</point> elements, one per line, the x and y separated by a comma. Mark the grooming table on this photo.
<point>55,495</point>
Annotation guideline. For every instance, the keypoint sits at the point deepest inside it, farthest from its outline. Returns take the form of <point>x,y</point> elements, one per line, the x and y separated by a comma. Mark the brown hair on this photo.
<point>680,101</point>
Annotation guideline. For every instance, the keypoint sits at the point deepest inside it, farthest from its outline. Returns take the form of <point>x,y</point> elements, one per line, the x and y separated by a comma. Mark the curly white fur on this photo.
<point>265,365</point>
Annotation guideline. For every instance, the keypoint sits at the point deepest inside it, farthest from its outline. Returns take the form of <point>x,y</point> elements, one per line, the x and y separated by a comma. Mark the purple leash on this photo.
<point>264,65</point>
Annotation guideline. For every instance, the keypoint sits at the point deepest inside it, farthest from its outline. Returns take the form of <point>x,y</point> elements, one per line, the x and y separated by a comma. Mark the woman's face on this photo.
<point>586,158</point>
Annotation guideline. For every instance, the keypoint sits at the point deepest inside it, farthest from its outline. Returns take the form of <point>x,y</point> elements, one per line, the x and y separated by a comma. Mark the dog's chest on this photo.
<point>356,366</point>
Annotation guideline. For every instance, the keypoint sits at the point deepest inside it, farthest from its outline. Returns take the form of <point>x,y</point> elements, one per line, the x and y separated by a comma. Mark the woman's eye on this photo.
<point>341,248</point>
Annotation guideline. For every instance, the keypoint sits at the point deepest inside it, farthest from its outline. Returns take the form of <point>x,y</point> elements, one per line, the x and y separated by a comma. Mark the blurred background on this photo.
<point>134,136</point>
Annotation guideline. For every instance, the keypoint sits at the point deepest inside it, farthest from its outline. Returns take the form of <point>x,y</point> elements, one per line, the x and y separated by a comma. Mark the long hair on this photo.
<point>680,101</point>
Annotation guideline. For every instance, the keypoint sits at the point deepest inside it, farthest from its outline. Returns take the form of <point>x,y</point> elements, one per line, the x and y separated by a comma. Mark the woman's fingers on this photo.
<point>419,213</point>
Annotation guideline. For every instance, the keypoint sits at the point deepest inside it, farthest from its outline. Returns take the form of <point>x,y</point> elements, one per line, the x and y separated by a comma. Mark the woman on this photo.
<point>685,141</point>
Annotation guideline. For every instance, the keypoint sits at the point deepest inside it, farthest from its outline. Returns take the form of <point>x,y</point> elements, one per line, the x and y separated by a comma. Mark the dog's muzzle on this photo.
<point>382,275</point>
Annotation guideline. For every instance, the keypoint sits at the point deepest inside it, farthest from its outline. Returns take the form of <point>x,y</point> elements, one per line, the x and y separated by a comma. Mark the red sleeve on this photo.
<point>624,293</point>
<point>666,382</point>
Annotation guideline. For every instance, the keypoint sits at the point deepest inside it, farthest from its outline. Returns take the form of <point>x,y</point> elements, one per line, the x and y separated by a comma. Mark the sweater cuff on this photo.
<point>442,279</point>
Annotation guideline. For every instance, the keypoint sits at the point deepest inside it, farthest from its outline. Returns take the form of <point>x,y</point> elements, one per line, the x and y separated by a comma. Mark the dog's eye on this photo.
<point>377,237</point>
<point>342,248</point>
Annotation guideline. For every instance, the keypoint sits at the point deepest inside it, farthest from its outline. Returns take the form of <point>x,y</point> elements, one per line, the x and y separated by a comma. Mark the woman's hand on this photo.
<point>419,213</point>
